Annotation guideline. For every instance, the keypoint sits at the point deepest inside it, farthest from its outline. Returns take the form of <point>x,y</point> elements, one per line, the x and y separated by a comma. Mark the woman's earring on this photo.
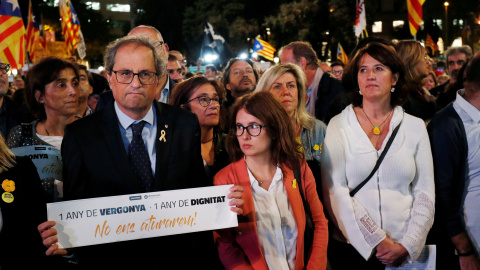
<point>393,89</point>
<point>360,92</point>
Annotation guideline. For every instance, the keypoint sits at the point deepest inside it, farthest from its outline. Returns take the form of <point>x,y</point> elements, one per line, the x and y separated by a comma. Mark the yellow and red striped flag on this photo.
<point>415,16</point>
<point>429,43</point>
<point>12,33</point>
<point>33,32</point>
<point>264,49</point>
<point>70,24</point>
<point>341,55</point>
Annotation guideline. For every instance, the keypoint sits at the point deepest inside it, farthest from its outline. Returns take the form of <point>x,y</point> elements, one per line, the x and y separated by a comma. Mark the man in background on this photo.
<point>321,87</point>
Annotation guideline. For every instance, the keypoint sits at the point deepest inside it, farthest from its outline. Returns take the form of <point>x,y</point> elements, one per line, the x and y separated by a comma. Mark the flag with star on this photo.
<point>42,38</point>
<point>70,25</point>
<point>12,34</point>
<point>33,32</point>
<point>341,55</point>
<point>263,49</point>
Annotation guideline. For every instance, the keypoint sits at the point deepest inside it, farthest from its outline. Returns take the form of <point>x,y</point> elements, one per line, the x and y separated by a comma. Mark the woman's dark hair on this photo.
<point>365,41</point>
<point>284,147</point>
<point>41,74</point>
<point>182,93</point>
<point>385,55</point>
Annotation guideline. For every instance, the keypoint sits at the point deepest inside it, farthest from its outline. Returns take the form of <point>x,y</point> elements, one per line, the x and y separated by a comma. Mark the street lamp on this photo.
<point>446,4</point>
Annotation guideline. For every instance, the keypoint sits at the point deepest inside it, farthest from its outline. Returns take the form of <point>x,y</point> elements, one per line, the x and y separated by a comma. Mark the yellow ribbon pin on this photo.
<point>294,185</point>
<point>162,136</point>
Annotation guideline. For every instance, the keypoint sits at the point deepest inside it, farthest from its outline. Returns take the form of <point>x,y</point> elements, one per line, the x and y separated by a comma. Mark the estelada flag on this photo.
<point>12,34</point>
<point>414,15</point>
<point>341,55</point>
<point>33,32</point>
<point>70,24</point>
<point>264,49</point>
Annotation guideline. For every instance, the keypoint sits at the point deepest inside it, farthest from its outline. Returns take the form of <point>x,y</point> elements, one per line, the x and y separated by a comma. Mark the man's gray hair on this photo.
<point>114,46</point>
<point>462,49</point>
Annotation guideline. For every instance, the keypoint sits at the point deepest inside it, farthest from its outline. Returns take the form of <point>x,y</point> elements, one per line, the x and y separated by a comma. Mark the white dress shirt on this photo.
<point>276,227</point>
<point>165,95</point>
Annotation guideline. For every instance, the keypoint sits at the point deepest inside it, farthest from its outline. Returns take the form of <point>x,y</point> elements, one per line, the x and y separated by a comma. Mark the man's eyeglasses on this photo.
<point>253,130</point>
<point>205,101</point>
<point>337,72</point>
<point>126,76</point>
<point>4,68</point>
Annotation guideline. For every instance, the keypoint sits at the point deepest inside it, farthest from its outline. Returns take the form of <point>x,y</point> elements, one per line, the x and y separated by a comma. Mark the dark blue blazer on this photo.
<point>331,100</point>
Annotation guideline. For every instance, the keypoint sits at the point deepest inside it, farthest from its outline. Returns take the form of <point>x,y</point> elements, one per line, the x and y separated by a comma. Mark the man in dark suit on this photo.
<point>165,83</point>
<point>325,95</point>
<point>100,152</point>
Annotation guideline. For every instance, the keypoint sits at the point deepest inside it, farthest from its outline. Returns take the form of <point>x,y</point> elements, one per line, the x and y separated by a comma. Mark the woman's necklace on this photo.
<point>376,129</point>
<point>256,178</point>
<point>209,140</point>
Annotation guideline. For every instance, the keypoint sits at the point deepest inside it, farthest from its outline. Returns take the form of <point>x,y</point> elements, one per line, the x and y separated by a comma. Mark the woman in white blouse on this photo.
<point>387,221</point>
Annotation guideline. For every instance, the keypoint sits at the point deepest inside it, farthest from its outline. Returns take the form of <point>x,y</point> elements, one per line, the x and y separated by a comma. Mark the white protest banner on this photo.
<point>144,215</point>
<point>48,161</point>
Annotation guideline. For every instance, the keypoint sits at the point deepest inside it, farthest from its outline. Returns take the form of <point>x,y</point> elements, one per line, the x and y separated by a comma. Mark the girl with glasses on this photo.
<point>265,155</point>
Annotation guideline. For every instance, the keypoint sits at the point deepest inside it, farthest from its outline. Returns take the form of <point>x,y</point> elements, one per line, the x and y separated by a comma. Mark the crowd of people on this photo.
<point>333,166</point>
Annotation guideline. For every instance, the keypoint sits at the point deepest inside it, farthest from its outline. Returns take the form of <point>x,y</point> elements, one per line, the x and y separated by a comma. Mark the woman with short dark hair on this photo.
<point>387,220</point>
<point>266,157</point>
<point>52,95</point>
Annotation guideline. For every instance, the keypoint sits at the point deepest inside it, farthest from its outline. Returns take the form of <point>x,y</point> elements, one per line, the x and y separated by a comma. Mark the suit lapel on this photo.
<point>163,144</point>
<point>111,134</point>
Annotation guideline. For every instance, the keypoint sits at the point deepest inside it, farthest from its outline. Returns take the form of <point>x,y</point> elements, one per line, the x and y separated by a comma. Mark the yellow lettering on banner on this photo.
<point>104,230</point>
<point>152,223</point>
<point>129,228</point>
